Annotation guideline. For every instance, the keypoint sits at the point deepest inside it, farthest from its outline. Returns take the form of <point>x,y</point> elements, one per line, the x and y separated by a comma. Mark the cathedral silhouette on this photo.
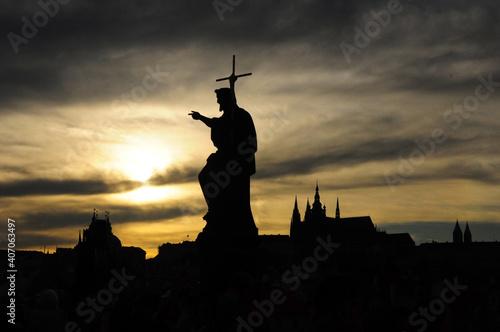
<point>350,230</point>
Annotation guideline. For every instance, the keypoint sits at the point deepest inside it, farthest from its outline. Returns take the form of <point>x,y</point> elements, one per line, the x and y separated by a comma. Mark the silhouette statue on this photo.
<point>225,179</point>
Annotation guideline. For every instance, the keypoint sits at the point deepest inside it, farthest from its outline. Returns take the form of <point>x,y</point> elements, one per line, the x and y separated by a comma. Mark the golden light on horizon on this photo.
<point>155,233</point>
<point>150,194</point>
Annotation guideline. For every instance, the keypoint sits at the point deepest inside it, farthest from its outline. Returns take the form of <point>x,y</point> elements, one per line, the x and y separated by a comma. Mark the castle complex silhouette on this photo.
<point>360,230</point>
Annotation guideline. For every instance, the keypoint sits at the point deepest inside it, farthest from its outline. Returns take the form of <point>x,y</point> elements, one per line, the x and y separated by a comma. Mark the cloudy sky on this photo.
<point>392,106</point>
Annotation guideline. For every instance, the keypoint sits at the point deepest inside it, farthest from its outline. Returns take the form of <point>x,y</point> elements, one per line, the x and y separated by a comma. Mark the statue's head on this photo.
<point>224,98</point>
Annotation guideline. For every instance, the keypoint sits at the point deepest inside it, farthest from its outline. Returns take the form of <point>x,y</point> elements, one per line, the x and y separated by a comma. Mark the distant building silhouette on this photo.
<point>351,230</point>
<point>99,247</point>
<point>316,223</point>
<point>99,251</point>
<point>177,253</point>
<point>467,234</point>
<point>337,210</point>
<point>457,234</point>
<point>459,237</point>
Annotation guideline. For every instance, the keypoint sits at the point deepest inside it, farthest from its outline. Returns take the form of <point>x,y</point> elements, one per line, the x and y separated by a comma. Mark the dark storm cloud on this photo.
<point>174,174</point>
<point>40,221</point>
<point>72,187</point>
<point>15,170</point>
<point>81,41</point>
<point>335,158</point>
<point>392,150</point>
<point>464,169</point>
<point>30,240</point>
<point>119,214</point>
<point>153,212</point>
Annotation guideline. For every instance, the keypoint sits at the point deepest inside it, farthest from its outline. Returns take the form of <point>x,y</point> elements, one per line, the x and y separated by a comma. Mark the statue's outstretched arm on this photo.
<point>197,116</point>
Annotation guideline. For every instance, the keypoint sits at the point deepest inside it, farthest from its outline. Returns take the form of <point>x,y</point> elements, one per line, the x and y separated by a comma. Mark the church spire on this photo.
<point>296,213</point>
<point>317,204</point>
<point>316,196</point>
<point>467,234</point>
<point>307,214</point>
<point>337,210</point>
<point>457,234</point>
<point>295,223</point>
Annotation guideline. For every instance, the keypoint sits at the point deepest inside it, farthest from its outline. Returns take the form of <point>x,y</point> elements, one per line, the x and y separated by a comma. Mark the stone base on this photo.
<point>221,255</point>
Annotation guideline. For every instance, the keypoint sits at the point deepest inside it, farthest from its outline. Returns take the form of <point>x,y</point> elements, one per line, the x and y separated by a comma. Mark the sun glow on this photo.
<point>150,194</point>
<point>139,159</point>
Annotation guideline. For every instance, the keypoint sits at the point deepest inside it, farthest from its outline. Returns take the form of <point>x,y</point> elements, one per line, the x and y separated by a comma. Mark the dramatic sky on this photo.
<point>392,106</point>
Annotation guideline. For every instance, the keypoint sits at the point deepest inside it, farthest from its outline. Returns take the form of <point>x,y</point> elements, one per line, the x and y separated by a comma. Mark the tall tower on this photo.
<point>316,214</point>
<point>307,214</point>
<point>97,252</point>
<point>295,223</point>
<point>467,234</point>
<point>337,210</point>
<point>457,234</point>
<point>296,213</point>
<point>317,204</point>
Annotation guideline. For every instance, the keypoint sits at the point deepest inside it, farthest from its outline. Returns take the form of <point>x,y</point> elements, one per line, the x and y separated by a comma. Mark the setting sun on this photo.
<point>140,158</point>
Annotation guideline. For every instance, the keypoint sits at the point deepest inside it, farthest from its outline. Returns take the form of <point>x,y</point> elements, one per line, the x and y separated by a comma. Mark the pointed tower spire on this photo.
<point>457,234</point>
<point>316,196</point>
<point>467,233</point>
<point>337,210</point>
<point>296,213</point>
<point>307,214</point>
<point>295,223</point>
<point>317,204</point>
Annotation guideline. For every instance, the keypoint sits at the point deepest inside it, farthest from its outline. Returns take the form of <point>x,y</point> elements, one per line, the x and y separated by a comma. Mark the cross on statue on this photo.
<point>232,78</point>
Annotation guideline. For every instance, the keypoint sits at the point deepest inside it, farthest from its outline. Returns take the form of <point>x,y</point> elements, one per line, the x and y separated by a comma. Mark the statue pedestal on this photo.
<point>223,253</point>
<point>228,242</point>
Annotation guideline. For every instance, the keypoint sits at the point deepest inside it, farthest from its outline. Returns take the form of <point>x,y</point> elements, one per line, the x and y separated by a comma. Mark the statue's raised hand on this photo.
<point>195,115</point>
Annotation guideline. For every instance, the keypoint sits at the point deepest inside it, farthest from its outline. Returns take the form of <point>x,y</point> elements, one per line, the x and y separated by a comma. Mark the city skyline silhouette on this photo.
<point>367,280</point>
